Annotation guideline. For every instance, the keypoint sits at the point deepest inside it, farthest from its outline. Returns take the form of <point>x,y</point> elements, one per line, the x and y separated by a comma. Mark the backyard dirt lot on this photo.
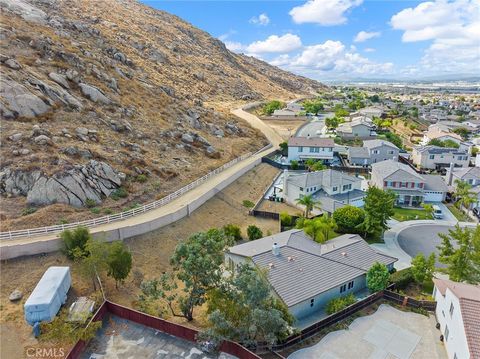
<point>286,128</point>
<point>151,254</point>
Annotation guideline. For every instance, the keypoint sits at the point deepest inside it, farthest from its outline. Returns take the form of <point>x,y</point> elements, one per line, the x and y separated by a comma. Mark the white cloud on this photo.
<point>225,36</point>
<point>323,12</point>
<point>454,29</point>
<point>369,49</point>
<point>261,19</point>
<point>274,43</point>
<point>234,46</point>
<point>331,59</point>
<point>365,35</point>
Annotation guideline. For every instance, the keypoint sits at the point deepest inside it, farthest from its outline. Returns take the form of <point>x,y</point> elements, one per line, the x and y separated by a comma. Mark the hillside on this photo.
<point>108,104</point>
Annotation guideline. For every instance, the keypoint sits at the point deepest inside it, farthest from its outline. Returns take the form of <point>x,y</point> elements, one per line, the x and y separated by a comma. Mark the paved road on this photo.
<point>182,201</point>
<point>422,239</point>
<point>311,129</point>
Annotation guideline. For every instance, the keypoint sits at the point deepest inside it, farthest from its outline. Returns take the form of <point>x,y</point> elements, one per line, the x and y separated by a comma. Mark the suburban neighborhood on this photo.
<point>173,186</point>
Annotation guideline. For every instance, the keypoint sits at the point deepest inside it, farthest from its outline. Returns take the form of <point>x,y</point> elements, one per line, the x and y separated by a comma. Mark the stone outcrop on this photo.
<point>19,101</point>
<point>74,186</point>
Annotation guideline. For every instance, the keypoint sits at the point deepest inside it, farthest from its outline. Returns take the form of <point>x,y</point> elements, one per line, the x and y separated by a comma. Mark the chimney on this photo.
<point>450,174</point>
<point>275,249</point>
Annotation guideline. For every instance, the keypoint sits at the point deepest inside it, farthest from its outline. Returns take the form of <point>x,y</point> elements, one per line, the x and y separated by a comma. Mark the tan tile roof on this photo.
<point>469,298</point>
<point>311,141</point>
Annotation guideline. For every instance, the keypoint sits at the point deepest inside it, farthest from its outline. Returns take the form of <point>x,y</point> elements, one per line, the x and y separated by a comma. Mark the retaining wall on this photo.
<point>14,250</point>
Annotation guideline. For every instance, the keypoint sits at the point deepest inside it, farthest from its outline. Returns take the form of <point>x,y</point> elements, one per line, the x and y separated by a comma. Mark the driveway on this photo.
<point>423,239</point>
<point>313,128</point>
<point>388,333</point>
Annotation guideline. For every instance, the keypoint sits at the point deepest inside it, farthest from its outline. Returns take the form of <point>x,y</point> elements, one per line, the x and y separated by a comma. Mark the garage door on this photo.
<point>433,196</point>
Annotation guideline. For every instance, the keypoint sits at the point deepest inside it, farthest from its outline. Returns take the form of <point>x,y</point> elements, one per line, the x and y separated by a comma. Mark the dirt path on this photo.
<point>151,254</point>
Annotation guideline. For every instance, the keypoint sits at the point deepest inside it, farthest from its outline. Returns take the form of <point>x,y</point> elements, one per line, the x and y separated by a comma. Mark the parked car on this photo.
<point>437,212</point>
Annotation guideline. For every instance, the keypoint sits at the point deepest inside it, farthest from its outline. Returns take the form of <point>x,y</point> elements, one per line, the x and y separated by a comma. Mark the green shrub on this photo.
<point>233,231</point>
<point>286,219</point>
<point>28,210</point>
<point>337,304</point>
<point>119,193</point>
<point>294,165</point>
<point>248,204</point>
<point>108,211</point>
<point>90,203</point>
<point>74,241</point>
<point>377,277</point>
<point>402,278</point>
<point>271,106</point>
<point>348,219</point>
<point>95,210</point>
<point>253,232</point>
<point>141,178</point>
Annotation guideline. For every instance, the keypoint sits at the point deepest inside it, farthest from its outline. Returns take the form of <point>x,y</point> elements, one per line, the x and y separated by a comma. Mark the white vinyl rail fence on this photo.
<point>127,214</point>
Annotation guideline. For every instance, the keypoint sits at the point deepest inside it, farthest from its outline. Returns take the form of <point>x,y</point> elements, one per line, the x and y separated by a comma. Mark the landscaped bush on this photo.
<point>348,218</point>
<point>253,232</point>
<point>286,219</point>
<point>294,165</point>
<point>271,106</point>
<point>402,278</point>
<point>233,231</point>
<point>337,304</point>
<point>248,204</point>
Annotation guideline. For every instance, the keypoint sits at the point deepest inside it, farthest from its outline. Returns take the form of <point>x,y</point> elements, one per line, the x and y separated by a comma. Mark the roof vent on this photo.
<point>275,249</point>
<point>344,254</point>
<point>290,258</point>
<point>271,265</point>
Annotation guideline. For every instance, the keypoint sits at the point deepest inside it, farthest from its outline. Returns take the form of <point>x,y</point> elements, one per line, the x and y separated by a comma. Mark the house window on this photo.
<point>343,288</point>
<point>390,152</point>
<point>312,301</point>
<point>334,189</point>
<point>301,189</point>
<point>347,187</point>
<point>350,284</point>
<point>312,149</point>
<point>308,190</point>
<point>431,157</point>
<point>451,309</point>
<point>376,152</point>
<point>446,332</point>
<point>300,149</point>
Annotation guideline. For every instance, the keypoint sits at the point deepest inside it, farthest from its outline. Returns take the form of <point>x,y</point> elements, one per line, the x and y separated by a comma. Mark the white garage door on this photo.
<point>433,196</point>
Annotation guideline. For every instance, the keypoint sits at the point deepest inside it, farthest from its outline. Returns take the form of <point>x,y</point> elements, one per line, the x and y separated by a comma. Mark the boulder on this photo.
<point>81,131</point>
<point>25,10</point>
<point>19,101</point>
<point>73,186</point>
<point>187,138</point>
<point>59,79</point>
<point>15,295</point>
<point>211,152</point>
<point>94,94</point>
<point>42,140</point>
<point>13,64</point>
<point>16,137</point>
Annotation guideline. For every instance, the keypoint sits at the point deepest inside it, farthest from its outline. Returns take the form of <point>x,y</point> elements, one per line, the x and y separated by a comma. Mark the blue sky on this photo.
<point>345,39</point>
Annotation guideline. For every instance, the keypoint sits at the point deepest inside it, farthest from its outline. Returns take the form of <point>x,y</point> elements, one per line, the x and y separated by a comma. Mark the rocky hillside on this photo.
<point>108,104</point>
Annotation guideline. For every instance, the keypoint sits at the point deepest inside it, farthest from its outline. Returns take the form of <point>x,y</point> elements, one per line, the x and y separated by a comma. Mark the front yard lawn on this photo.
<point>459,214</point>
<point>407,214</point>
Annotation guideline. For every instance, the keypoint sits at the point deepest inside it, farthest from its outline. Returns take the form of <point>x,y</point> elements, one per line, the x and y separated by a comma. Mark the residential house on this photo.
<point>303,148</point>
<point>295,107</point>
<point>359,127</point>
<point>373,151</point>
<point>284,113</point>
<point>470,175</point>
<point>458,313</point>
<point>372,111</point>
<point>332,189</point>
<point>306,275</point>
<point>411,188</point>
<point>435,133</point>
<point>434,157</point>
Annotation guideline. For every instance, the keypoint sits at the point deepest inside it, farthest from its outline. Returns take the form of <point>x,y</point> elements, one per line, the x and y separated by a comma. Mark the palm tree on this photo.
<point>318,228</point>
<point>309,203</point>
<point>463,194</point>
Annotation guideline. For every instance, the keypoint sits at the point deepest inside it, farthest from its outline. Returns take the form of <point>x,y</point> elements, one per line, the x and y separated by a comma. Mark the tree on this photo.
<point>462,257</point>
<point>378,210</point>
<point>318,228</point>
<point>253,232</point>
<point>119,262</point>
<point>333,122</point>
<point>74,241</point>
<point>423,268</point>
<point>428,208</point>
<point>232,231</point>
<point>463,194</point>
<point>462,131</point>
<point>340,111</point>
<point>313,106</point>
<point>244,310</point>
<point>197,263</point>
<point>348,219</point>
<point>314,165</point>
<point>271,106</point>
<point>285,219</point>
<point>377,277</point>
<point>309,203</point>
<point>93,260</point>
<point>294,165</point>
<point>284,148</point>
<point>450,144</point>
<point>395,139</point>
